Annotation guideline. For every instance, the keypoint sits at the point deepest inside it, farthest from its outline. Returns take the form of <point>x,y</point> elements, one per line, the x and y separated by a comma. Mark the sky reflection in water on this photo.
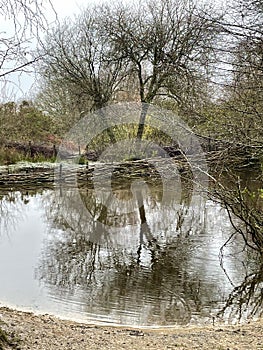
<point>161,267</point>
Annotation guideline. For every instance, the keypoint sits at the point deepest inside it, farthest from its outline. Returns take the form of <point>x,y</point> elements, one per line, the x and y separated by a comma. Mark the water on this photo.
<point>124,258</point>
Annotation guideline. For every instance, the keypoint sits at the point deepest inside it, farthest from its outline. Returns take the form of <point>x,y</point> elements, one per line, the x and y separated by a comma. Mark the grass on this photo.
<point>12,156</point>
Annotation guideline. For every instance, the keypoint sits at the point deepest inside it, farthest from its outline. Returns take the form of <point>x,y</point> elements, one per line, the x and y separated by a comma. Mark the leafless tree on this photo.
<point>244,206</point>
<point>241,62</point>
<point>167,45</point>
<point>160,50</point>
<point>22,22</point>
<point>78,55</point>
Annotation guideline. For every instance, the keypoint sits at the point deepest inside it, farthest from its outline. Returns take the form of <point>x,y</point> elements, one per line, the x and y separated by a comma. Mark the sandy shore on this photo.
<point>28,331</point>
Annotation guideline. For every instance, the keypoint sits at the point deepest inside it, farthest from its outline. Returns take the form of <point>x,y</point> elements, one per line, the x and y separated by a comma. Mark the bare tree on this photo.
<point>247,87</point>
<point>239,114</point>
<point>165,44</point>
<point>21,22</point>
<point>159,50</point>
<point>79,56</point>
<point>244,203</point>
<point>62,103</point>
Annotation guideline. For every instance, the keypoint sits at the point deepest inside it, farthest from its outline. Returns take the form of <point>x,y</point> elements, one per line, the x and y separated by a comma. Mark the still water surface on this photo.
<point>149,264</point>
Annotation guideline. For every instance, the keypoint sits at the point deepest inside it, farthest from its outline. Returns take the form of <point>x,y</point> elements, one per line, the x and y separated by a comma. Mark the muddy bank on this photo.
<point>28,331</point>
<point>69,174</point>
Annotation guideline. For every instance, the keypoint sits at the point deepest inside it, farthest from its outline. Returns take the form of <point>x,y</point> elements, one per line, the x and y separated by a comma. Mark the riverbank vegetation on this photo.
<point>202,62</point>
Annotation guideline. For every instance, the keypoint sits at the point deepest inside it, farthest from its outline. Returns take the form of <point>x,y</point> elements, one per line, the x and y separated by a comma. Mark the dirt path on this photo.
<point>47,332</point>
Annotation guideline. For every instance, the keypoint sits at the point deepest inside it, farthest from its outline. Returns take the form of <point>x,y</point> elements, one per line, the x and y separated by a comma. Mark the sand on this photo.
<point>29,331</point>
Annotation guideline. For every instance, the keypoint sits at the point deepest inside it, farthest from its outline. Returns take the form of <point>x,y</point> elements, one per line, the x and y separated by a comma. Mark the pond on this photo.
<point>75,253</point>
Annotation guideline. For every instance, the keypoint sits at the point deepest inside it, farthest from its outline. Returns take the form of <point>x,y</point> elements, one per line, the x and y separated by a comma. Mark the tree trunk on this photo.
<point>140,131</point>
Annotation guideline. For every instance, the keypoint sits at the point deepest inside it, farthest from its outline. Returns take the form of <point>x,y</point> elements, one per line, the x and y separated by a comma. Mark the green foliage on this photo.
<point>128,132</point>
<point>82,160</point>
<point>24,122</point>
<point>254,197</point>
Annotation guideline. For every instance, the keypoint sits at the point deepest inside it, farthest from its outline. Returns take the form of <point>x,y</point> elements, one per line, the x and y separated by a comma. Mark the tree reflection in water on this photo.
<point>246,299</point>
<point>135,259</point>
<point>12,201</point>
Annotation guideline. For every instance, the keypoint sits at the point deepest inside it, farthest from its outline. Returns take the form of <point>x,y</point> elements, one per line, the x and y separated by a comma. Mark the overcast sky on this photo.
<point>70,7</point>
<point>24,83</point>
